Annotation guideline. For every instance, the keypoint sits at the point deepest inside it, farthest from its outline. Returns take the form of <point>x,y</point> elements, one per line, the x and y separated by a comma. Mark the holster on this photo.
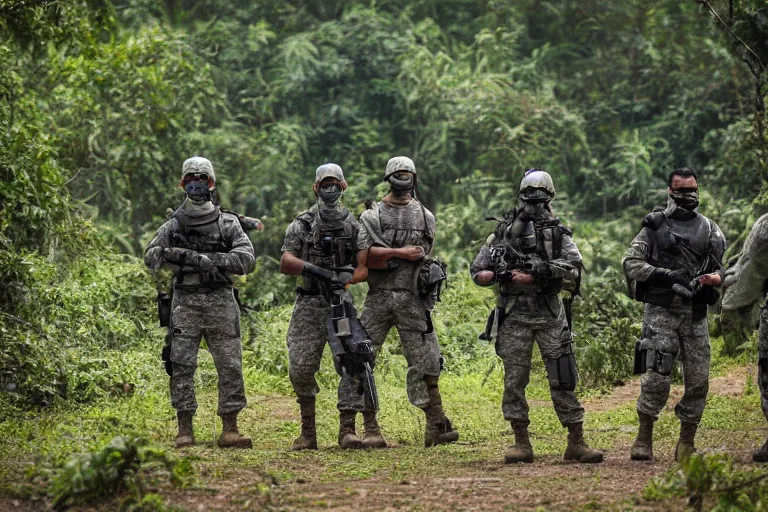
<point>164,308</point>
<point>561,371</point>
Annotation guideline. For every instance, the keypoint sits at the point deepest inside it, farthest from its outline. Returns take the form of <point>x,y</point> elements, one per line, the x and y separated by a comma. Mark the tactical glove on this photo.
<point>666,277</point>
<point>181,256</point>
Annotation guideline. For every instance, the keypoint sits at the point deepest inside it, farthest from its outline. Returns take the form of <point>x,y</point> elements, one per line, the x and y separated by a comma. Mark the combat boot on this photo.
<point>230,436</point>
<point>186,436</point>
<point>685,448</point>
<point>348,439</point>
<point>761,454</point>
<point>372,437</point>
<point>577,449</point>
<point>307,440</point>
<point>521,451</point>
<point>642,449</point>
<point>438,429</point>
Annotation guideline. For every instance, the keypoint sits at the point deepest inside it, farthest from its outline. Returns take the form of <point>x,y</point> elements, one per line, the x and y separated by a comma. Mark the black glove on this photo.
<point>181,256</point>
<point>666,277</point>
<point>315,272</point>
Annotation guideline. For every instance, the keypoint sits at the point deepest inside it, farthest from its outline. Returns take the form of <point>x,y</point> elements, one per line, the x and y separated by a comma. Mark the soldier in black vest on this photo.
<point>531,258</point>
<point>204,248</point>
<point>321,239</point>
<point>673,266</point>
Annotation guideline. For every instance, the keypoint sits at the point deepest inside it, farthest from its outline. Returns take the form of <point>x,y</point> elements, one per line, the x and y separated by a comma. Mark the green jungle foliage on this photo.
<point>102,100</point>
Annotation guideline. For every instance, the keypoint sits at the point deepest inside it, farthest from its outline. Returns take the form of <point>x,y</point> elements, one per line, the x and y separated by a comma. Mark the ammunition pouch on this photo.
<point>561,371</point>
<point>164,308</point>
<point>648,358</point>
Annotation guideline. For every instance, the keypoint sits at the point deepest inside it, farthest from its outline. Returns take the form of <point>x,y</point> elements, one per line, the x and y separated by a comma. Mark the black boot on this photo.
<point>642,449</point>
<point>307,440</point>
<point>521,451</point>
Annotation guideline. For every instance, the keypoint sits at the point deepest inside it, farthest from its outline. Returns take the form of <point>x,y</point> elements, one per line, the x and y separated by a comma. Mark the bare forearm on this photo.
<point>291,265</point>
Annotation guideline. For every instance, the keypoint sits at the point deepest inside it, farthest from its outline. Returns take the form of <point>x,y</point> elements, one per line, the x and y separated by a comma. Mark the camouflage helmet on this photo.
<point>198,165</point>
<point>399,163</point>
<point>537,185</point>
<point>329,170</point>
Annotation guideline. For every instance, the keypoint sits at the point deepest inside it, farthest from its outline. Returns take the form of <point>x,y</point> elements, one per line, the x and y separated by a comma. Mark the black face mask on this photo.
<point>330,194</point>
<point>686,198</point>
<point>197,191</point>
<point>536,210</point>
<point>401,186</point>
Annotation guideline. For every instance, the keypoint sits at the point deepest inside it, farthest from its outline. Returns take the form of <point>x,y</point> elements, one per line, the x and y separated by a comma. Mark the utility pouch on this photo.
<point>641,359</point>
<point>430,279</point>
<point>561,371</point>
<point>649,358</point>
<point>164,308</point>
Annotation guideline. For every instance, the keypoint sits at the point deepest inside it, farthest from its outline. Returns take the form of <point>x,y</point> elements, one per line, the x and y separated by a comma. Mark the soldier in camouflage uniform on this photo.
<point>321,238</point>
<point>746,284</point>
<point>530,257</point>
<point>673,266</point>
<point>204,248</point>
<point>400,232</point>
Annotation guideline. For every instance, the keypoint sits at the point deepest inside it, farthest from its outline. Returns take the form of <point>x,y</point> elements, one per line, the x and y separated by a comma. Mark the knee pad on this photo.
<point>561,371</point>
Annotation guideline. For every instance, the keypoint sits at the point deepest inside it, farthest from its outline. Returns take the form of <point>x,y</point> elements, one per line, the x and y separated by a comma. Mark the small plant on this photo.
<point>712,480</point>
<point>122,465</point>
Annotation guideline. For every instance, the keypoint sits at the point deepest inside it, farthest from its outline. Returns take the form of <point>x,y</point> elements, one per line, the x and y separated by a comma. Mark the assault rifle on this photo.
<point>350,345</point>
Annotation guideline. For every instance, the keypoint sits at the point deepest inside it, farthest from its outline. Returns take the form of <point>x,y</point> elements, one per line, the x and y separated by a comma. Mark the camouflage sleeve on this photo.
<point>568,265</point>
<point>431,228</point>
<point>240,260</point>
<point>294,237</point>
<point>635,261</point>
<point>154,253</point>
<point>483,259</point>
<point>363,240</point>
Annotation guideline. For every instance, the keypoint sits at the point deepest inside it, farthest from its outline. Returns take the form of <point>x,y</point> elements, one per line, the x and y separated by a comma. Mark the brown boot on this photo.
<point>307,440</point>
<point>230,437</point>
<point>685,448</point>
<point>642,449</point>
<point>348,440</point>
<point>577,449</point>
<point>372,437</point>
<point>761,454</point>
<point>521,451</point>
<point>186,436</point>
<point>438,429</point>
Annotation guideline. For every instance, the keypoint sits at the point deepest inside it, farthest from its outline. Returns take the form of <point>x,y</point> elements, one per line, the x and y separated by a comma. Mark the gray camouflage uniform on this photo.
<point>308,329</point>
<point>532,316</point>
<point>392,299</point>
<point>671,324</point>
<point>204,305</point>
<point>745,286</point>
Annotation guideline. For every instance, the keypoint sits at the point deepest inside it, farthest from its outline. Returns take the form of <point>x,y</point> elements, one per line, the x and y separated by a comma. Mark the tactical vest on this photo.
<point>329,243</point>
<point>204,235</point>
<point>401,225</point>
<point>539,240</point>
<point>676,244</point>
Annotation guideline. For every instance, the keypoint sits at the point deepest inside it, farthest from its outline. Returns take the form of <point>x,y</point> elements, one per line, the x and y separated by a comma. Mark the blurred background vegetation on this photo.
<point>102,100</point>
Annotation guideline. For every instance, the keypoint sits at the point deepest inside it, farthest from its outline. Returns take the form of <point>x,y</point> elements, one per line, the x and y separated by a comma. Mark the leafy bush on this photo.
<point>714,482</point>
<point>123,465</point>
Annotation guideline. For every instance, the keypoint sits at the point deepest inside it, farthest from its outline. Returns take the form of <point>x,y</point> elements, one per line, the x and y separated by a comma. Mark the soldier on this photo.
<point>401,232</point>
<point>672,266</point>
<point>530,256</point>
<point>324,237</point>
<point>204,247</point>
<point>746,284</point>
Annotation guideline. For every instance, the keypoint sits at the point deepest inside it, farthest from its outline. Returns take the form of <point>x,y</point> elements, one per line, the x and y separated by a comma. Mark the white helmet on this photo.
<point>537,186</point>
<point>198,165</point>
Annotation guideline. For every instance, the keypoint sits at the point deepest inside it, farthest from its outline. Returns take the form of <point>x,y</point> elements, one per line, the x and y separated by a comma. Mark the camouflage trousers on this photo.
<point>307,337</point>
<point>762,367</point>
<point>672,331</point>
<point>405,311</point>
<point>216,316</point>
<point>531,320</point>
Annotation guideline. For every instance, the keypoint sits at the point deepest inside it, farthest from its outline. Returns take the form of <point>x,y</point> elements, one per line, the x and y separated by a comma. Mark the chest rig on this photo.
<point>329,243</point>
<point>524,243</point>
<point>202,234</point>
